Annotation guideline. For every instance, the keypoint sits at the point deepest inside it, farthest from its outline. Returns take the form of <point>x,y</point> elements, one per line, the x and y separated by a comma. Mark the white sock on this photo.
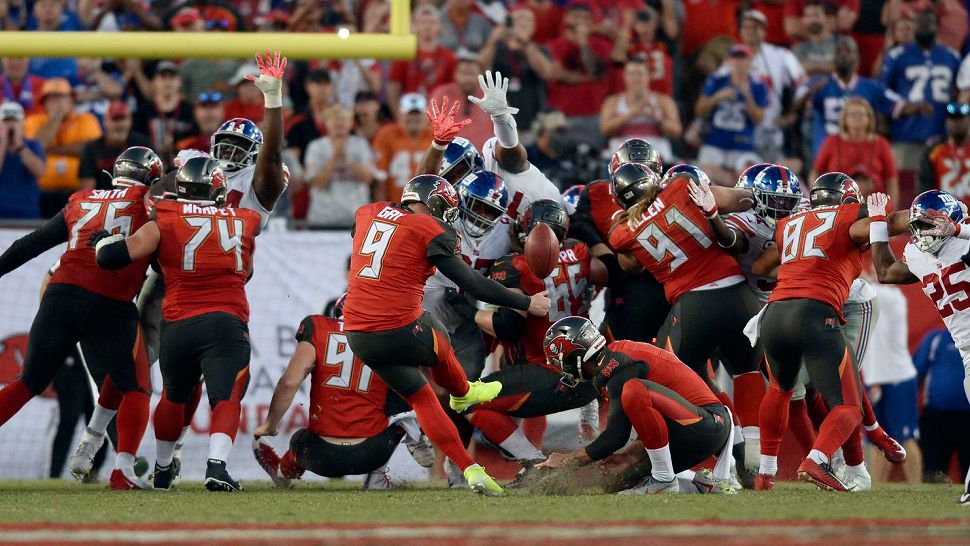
<point>769,465</point>
<point>662,467</point>
<point>738,435</point>
<point>100,419</point>
<point>220,444</point>
<point>872,427</point>
<point>126,462</point>
<point>751,433</point>
<point>519,447</point>
<point>818,456</point>
<point>163,451</point>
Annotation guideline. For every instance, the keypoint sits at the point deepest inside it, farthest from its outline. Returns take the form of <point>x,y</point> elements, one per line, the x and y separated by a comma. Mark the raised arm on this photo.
<point>509,153</point>
<point>445,128</point>
<point>268,180</point>
<point>300,366</point>
<point>889,270</point>
<point>730,200</point>
<point>727,237</point>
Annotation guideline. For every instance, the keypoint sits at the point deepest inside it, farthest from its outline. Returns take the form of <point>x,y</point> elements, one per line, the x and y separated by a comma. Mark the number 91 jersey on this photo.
<point>206,256</point>
<point>946,280</point>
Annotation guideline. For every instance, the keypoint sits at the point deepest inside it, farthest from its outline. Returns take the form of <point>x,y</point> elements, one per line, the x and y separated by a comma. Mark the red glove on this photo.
<point>443,123</point>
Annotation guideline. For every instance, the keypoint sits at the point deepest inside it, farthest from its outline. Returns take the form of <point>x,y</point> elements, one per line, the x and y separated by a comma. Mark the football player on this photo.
<point>677,417</point>
<point>937,257</point>
<point>396,248</point>
<point>84,304</point>
<point>205,251</point>
<point>349,430</point>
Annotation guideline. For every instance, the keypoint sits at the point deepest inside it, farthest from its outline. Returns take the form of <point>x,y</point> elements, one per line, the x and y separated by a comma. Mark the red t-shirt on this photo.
<point>206,255</point>
<point>579,99</point>
<point>427,70</point>
<point>872,157</point>
<point>675,243</point>
<point>819,260</point>
<point>119,211</point>
<point>775,30</point>
<point>548,22</point>
<point>707,19</point>
<point>236,109</point>
<point>346,398</point>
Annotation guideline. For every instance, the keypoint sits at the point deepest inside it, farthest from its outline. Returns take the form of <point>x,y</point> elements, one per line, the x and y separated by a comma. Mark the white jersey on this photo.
<point>524,187</point>
<point>946,280</point>
<point>760,236</point>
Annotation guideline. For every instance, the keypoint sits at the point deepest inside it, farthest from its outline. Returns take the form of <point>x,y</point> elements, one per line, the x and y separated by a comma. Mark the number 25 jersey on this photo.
<point>206,256</point>
<point>946,280</point>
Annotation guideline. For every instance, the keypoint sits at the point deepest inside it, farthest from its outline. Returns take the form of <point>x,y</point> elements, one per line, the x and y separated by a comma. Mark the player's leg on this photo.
<point>636,308</point>
<point>799,421</point>
<point>687,334</point>
<point>469,347</point>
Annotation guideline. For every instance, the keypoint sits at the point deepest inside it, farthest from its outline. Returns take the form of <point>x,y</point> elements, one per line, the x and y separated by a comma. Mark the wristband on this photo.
<point>961,233</point>
<point>273,98</point>
<point>879,232</point>
<point>439,147</point>
<point>878,217</point>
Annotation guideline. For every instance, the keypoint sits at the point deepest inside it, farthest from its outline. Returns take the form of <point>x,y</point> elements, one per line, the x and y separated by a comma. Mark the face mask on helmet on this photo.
<point>478,216</point>
<point>771,206</point>
<point>568,351</point>
<point>926,243</point>
<point>234,152</point>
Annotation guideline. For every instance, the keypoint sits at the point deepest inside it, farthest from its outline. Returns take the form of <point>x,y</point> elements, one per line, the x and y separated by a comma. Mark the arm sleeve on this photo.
<point>478,286</point>
<point>28,247</point>
<point>618,425</point>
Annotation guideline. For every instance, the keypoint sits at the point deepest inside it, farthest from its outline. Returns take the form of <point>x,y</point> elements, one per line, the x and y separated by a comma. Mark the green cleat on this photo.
<point>481,482</point>
<point>478,392</point>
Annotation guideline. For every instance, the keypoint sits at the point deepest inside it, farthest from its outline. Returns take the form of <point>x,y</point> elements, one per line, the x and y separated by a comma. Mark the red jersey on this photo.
<point>661,367</point>
<point>119,211</point>
<point>568,287</point>
<point>949,169</point>
<point>206,255</point>
<point>427,70</point>
<point>597,201</point>
<point>346,398</point>
<point>819,260</point>
<point>390,264</point>
<point>675,243</point>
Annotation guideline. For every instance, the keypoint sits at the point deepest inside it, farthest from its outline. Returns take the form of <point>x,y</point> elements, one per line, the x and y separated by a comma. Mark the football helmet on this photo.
<point>569,343</point>
<point>136,166</point>
<point>637,150</point>
<point>776,193</point>
<point>235,144</point>
<point>546,211</point>
<point>571,194</point>
<point>337,312</point>
<point>684,168</point>
<point>201,179</point>
<point>631,183</point>
<point>928,206</point>
<point>436,193</point>
<point>460,159</point>
<point>483,201</point>
<point>833,189</point>
<point>746,180</point>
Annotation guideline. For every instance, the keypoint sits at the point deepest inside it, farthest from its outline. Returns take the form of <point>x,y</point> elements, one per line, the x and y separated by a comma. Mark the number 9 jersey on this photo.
<point>206,256</point>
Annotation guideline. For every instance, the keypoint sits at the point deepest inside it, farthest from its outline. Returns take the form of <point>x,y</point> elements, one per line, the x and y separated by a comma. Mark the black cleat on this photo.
<point>217,478</point>
<point>163,476</point>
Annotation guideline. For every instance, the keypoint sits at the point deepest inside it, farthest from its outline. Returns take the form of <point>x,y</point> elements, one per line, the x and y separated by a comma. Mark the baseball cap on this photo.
<point>166,66</point>
<point>55,86</point>
<point>755,15</point>
<point>11,110</point>
<point>740,50</point>
<point>118,109</point>
<point>209,97</point>
<point>319,75</point>
<point>413,102</point>
<point>242,72</point>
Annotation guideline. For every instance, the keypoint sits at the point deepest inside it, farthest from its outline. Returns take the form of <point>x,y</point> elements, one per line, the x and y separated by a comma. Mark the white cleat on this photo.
<point>964,499</point>
<point>652,486</point>
<point>82,461</point>
<point>377,480</point>
<point>422,451</point>
<point>707,484</point>
<point>456,478</point>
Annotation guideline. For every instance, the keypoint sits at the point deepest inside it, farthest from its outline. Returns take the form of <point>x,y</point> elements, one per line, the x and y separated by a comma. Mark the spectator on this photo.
<point>351,76</point>
<point>922,71</point>
<point>310,125</point>
<point>115,15</point>
<point>398,147</point>
<point>209,114</point>
<point>638,38</point>
<point>95,87</point>
<point>780,70</point>
<point>463,28</point>
<point>548,17</point>
<point>869,33</point>
<point>98,156</point>
<point>946,165</point>
<point>858,148</point>
<point>898,33</point>
<point>52,16</point>
<point>552,151</point>
<point>816,51</point>
<point>369,115</point>
<point>21,165</point>
<point>951,14</point>
<point>63,133</point>
<point>20,86</point>
<point>774,12</point>
<point>709,19</point>
<point>578,88</point>
<point>945,423</point>
<point>165,116</point>
<point>433,65</point>
<point>840,16</point>
<point>466,83</point>
<point>512,51</point>
<point>249,99</point>
<point>187,19</point>
<point>736,103</point>
<point>638,112</point>
<point>338,170</point>
<point>200,75</point>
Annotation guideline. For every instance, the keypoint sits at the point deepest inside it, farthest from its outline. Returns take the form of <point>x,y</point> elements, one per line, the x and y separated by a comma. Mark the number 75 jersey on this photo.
<point>206,256</point>
<point>946,281</point>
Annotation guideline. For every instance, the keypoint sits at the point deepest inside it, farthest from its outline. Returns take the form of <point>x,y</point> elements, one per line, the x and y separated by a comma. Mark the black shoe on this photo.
<point>526,474</point>
<point>218,479</point>
<point>163,476</point>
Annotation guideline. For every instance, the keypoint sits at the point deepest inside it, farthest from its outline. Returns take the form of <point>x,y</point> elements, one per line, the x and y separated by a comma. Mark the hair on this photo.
<point>336,110</point>
<point>843,119</point>
<point>426,8</point>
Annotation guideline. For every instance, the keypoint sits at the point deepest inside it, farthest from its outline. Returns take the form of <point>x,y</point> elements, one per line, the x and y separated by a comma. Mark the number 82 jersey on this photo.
<point>946,281</point>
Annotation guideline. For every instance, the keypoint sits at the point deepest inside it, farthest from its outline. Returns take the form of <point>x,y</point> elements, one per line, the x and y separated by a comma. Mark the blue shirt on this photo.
<point>19,194</point>
<point>939,362</point>
<point>920,76</point>
<point>828,101</point>
<point>731,126</point>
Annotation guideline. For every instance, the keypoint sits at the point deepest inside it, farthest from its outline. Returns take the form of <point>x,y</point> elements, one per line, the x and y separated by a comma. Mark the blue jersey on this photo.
<point>940,367</point>
<point>828,101</point>
<point>731,126</point>
<point>920,76</point>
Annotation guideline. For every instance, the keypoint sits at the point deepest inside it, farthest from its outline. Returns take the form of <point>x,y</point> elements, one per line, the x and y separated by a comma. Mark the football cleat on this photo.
<point>964,499</point>
<point>858,482</point>
<point>527,470</point>
<point>478,392</point>
<point>422,451</point>
<point>217,478</point>
<point>652,486</point>
<point>482,483</point>
<point>378,480</point>
<point>141,466</point>
<point>82,461</point>
<point>177,464</point>
<point>821,475</point>
<point>891,449</point>
<point>164,476</point>
<point>121,482</point>
<point>268,459</point>
<point>706,483</point>
<point>456,480</point>
<point>764,482</point>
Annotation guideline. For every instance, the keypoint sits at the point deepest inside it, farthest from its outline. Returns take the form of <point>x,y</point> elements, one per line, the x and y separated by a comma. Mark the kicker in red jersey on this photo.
<point>819,259</point>
<point>674,241</point>
<point>346,399</point>
<point>663,368</point>
<point>118,211</point>
<point>206,255</point>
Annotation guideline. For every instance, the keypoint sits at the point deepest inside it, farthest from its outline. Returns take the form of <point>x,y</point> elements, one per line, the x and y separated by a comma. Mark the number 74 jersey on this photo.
<point>206,256</point>
<point>946,281</point>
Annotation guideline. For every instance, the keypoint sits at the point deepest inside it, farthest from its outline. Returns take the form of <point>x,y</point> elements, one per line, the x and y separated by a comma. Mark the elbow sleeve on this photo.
<point>112,252</point>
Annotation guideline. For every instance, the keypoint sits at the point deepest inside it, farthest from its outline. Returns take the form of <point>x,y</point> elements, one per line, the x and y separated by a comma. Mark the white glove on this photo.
<point>493,101</point>
<point>943,226</point>
<point>703,197</point>
<point>270,79</point>
<point>878,205</point>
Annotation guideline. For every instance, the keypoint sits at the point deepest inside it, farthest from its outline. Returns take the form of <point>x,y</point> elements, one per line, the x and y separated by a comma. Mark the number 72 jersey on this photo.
<point>206,256</point>
<point>946,281</point>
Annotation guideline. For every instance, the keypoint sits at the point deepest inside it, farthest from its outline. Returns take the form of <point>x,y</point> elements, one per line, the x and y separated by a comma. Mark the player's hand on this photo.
<point>270,79</point>
<point>943,226</point>
<point>443,124</point>
<point>493,99</point>
<point>97,237</point>
<point>555,460</point>
<point>539,304</point>
<point>266,429</point>
<point>879,206</point>
<point>702,195</point>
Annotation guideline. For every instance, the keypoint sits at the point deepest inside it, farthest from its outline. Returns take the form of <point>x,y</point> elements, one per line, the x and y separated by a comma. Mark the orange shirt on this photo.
<point>398,154</point>
<point>62,170</point>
